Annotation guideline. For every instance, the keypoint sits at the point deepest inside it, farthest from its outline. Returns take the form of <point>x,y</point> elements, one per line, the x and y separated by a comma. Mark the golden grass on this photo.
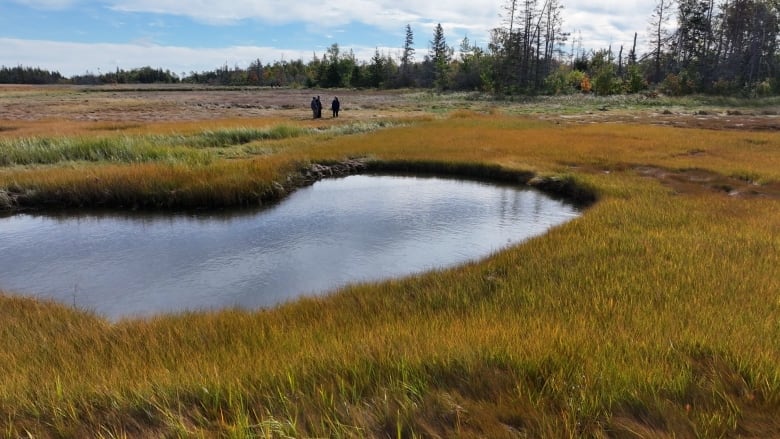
<point>654,314</point>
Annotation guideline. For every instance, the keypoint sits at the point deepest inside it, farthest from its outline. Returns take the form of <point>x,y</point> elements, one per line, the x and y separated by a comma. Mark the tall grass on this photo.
<point>135,149</point>
<point>28,151</point>
<point>652,315</point>
<point>170,148</point>
<point>238,136</point>
<point>154,185</point>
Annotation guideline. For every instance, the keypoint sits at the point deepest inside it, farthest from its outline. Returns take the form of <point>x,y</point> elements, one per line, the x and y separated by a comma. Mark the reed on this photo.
<point>653,314</point>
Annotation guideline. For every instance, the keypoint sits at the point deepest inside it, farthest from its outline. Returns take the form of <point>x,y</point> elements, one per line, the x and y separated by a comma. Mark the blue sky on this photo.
<point>79,36</point>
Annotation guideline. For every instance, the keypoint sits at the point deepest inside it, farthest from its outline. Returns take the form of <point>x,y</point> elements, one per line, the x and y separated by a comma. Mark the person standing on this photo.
<point>335,106</point>
<point>314,107</point>
<point>319,108</point>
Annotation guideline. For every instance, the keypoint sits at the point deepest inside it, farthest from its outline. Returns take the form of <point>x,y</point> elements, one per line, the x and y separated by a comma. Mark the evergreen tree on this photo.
<point>376,70</point>
<point>440,56</point>
<point>691,42</point>
<point>749,41</point>
<point>28,75</point>
<point>468,75</point>
<point>407,58</point>
<point>332,60</point>
<point>255,72</point>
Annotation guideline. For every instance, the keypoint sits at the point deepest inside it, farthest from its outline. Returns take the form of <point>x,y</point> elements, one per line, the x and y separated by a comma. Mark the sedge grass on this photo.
<point>654,314</point>
<point>37,151</point>
<point>171,148</point>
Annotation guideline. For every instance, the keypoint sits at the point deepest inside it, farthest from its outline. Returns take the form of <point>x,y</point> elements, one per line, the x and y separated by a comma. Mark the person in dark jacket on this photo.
<point>314,107</point>
<point>335,106</point>
<point>319,108</point>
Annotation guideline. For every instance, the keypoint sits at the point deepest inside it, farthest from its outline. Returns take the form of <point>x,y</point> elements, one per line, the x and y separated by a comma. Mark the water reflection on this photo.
<point>332,233</point>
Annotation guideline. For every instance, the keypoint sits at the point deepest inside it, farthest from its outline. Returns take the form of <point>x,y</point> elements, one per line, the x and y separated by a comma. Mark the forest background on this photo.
<point>696,46</point>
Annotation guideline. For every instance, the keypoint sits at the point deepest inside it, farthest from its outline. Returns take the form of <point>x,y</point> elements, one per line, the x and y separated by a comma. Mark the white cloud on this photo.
<point>474,16</point>
<point>77,58</point>
<point>47,4</point>
<point>599,23</point>
<point>71,59</point>
<point>605,22</point>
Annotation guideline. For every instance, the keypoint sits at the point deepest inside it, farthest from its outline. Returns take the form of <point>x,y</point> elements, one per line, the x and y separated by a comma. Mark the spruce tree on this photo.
<point>440,56</point>
<point>408,56</point>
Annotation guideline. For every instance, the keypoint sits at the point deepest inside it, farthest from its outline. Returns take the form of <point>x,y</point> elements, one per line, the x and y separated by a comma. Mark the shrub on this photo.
<point>605,83</point>
<point>635,82</point>
<point>557,82</point>
<point>762,89</point>
<point>678,85</point>
<point>724,87</point>
<point>585,85</point>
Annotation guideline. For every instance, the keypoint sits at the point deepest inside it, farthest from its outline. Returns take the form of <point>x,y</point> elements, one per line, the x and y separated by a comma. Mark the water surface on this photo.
<point>338,231</point>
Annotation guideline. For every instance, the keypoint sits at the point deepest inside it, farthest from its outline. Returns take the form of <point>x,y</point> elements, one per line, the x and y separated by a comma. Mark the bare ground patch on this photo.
<point>697,180</point>
<point>182,102</point>
<point>177,103</point>
<point>727,120</point>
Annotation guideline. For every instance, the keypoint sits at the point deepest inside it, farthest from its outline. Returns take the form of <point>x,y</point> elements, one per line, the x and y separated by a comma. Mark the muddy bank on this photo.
<point>560,187</point>
<point>318,171</point>
<point>696,180</point>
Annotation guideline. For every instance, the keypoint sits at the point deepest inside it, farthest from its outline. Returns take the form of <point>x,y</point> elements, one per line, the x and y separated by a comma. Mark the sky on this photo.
<point>75,37</point>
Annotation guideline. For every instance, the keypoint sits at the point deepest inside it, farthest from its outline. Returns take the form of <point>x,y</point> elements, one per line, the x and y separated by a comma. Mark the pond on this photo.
<point>335,232</point>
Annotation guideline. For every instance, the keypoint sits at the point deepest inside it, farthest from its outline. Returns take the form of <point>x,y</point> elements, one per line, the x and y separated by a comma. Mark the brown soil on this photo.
<point>181,103</point>
<point>761,120</point>
<point>161,103</point>
<point>696,180</point>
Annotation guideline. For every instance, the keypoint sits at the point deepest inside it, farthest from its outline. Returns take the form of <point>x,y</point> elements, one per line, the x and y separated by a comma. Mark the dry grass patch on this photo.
<point>653,313</point>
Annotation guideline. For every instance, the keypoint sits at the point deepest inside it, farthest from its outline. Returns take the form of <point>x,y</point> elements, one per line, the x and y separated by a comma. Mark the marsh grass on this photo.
<point>654,314</point>
<point>135,149</point>
<point>238,136</point>
<point>124,149</point>
<point>154,185</point>
<point>193,148</point>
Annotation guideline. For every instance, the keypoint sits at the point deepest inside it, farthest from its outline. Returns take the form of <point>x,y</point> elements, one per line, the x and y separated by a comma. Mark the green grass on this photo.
<point>38,151</point>
<point>173,148</point>
<point>238,136</point>
<point>652,315</point>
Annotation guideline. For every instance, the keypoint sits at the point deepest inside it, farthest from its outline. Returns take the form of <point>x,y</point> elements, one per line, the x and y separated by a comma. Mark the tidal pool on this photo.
<point>335,232</point>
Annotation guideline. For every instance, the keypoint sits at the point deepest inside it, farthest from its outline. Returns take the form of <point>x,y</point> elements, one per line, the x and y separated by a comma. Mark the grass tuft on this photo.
<point>239,136</point>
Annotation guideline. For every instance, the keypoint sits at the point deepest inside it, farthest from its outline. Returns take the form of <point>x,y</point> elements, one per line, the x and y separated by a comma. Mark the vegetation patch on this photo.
<point>239,136</point>
<point>6,201</point>
<point>114,127</point>
<point>115,149</point>
<point>653,314</point>
<point>695,180</point>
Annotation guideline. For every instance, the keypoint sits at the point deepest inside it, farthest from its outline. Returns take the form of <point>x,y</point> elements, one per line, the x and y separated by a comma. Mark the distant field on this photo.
<point>655,314</point>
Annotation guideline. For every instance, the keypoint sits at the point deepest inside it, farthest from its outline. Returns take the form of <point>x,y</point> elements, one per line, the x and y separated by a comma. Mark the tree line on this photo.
<point>730,47</point>
<point>28,75</point>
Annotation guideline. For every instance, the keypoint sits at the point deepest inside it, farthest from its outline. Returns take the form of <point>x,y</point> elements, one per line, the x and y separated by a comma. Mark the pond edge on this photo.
<point>565,187</point>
